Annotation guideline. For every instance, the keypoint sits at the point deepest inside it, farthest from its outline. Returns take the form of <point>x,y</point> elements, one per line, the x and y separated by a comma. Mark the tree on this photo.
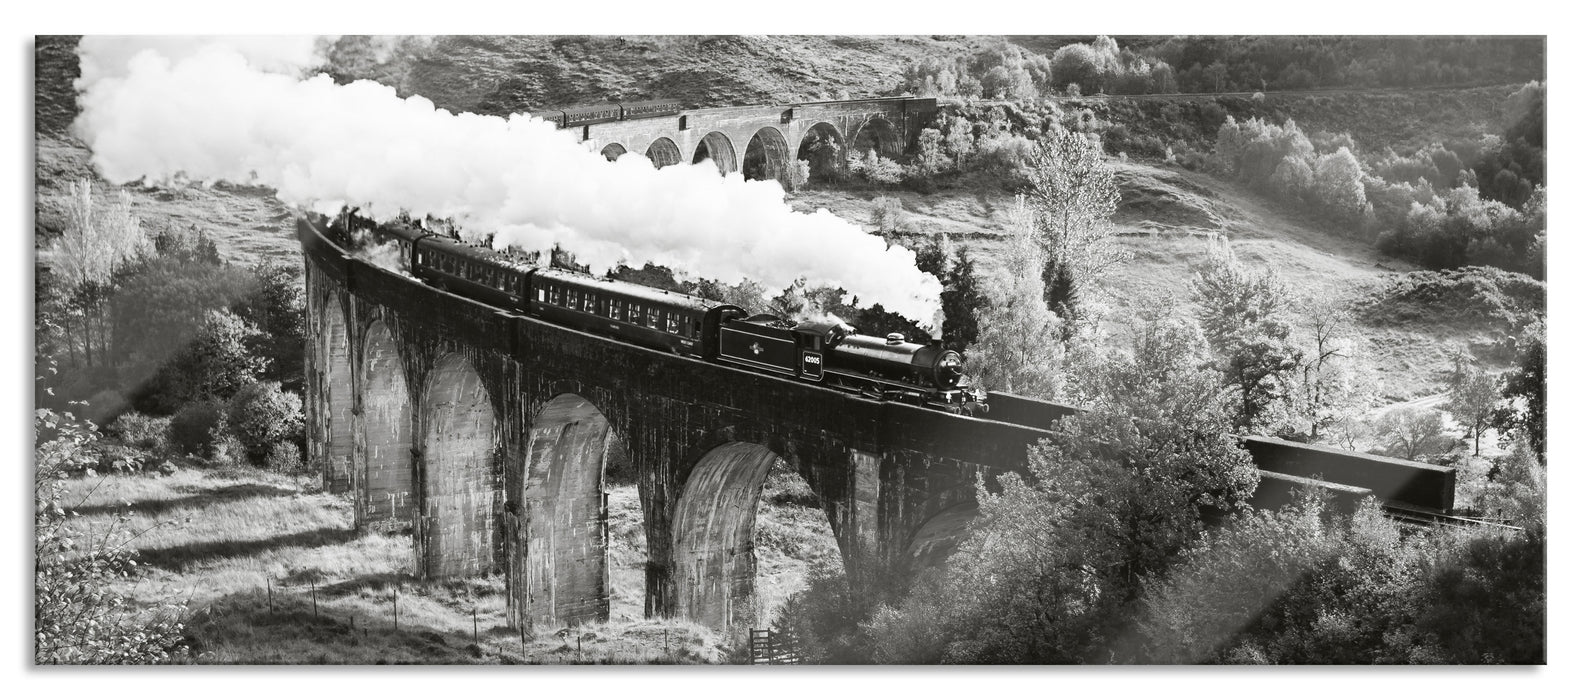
<point>1518,488</point>
<point>1526,389</point>
<point>1073,195</point>
<point>931,157</point>
<point>962,301</point>
<point>1337,181</point>
<point>1411,429</point>
<point>1019,348</point>
<point>96,244</point>
<point>1327,390</point>
<point>216,364</point>
<point>1474,398</point>
<point>274,305</point>
<point>79,615</point>
<point>958,139</point>
<point>1244,317</point>
<point>1052,570</point>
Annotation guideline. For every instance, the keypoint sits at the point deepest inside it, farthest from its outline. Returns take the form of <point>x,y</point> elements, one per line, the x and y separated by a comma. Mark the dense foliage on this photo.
<point>164,327</point>
<point>1309,585</point>
<point>80,612</point>
<point>1056,563</point>
<point>1139,65</point>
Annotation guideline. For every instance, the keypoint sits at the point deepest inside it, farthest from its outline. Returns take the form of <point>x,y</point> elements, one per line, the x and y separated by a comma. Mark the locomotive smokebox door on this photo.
<point>813,365</point>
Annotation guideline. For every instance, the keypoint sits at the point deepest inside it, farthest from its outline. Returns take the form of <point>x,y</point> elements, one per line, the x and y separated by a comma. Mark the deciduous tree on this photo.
<point>1474,398</point>
<point>1073,195</point>
<point>1244,316</point>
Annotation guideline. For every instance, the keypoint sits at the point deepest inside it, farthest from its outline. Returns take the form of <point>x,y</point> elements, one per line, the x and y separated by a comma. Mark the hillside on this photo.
<point>1166,217</point>
<point>500,75</point>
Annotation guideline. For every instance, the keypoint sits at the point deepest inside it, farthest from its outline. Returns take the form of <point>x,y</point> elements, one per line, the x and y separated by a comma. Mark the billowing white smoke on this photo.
<point>184,109</point>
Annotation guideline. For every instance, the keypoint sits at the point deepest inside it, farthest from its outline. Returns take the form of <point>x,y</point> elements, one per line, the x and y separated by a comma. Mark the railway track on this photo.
<point>1427,518</point>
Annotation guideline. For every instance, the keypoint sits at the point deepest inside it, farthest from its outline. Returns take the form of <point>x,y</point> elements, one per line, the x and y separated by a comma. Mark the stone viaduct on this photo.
<point>763,142</point>
<point>489,433</point>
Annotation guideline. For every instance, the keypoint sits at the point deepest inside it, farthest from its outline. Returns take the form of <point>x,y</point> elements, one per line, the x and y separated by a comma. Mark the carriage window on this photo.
<point>590,304</point>
<point>652,318</point>
<point>555,296</point>
<point>671,325</point>
<point>697,328</point>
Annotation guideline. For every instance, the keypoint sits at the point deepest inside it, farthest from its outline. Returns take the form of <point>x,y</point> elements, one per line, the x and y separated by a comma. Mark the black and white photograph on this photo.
<point>820,349</point>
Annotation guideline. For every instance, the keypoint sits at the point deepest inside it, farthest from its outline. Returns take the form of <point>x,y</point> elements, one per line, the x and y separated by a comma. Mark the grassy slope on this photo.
<point>221,540</point>
<point>250,550</point>
<point>502,74</point>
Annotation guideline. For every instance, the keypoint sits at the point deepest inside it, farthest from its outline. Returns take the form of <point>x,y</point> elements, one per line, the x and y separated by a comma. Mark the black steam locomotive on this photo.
<point>827,353</point>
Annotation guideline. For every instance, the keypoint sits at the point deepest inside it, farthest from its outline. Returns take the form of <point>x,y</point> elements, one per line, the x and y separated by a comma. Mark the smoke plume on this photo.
<point>179,109</point>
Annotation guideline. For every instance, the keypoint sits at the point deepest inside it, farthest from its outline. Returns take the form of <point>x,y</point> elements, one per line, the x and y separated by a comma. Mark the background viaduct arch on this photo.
<point>663,152</point>
<point>612,151</point>
<point>768,158</point>
<point>824,149</point>
<point>717,147</point>
<point>877,134</point>
<point>457,537</point>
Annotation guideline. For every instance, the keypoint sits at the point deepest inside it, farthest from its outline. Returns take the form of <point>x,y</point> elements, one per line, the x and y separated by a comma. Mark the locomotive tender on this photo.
<point>826,353</point>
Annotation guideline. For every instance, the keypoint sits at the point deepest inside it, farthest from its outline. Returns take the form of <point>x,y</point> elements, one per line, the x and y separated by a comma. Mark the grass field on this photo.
<point>274,573</point>
<point>255,555</point>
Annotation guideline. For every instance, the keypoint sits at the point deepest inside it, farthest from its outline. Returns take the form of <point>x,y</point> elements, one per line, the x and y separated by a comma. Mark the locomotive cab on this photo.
<point>770,343</point>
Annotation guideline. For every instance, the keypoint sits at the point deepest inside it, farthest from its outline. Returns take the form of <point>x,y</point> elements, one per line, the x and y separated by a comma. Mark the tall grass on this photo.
<point>275,574</point>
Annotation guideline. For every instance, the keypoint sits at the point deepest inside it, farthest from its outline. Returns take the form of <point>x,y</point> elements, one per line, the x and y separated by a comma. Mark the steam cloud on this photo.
<point>236,110</point>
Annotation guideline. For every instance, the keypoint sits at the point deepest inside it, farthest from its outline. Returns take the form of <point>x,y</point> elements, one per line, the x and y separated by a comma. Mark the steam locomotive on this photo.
<point>831,354</point>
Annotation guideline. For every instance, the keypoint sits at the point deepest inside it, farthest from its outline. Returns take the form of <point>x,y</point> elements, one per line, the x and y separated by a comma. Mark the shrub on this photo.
<point>888,215</point>
<point>284,457</point>
<point>78,616</point>
<point>142,431</point>
<point>261,415</point>
<point>196,428</point>
<point>120,458</point>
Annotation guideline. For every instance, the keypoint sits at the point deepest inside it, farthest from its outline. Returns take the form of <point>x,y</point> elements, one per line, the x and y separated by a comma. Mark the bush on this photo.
<point>121,459</point>
<point>197,427</point>
<point>261,414</point>
<point>78,615</point>
<point>284,457</point>
<point>142,431</point>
